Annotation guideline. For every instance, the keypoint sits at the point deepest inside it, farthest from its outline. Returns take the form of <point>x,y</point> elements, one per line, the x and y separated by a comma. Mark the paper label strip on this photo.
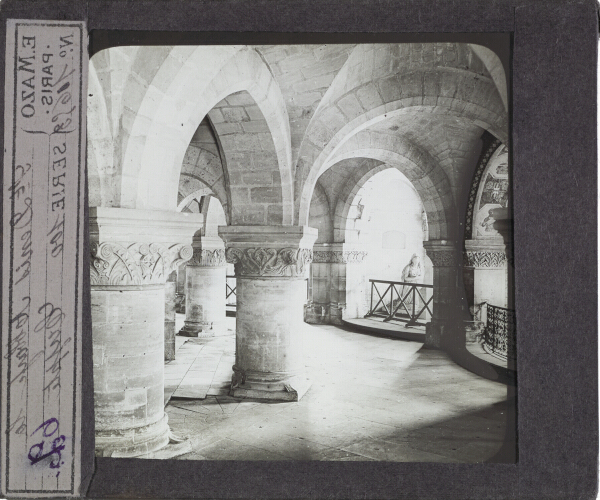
<point>42,258</point>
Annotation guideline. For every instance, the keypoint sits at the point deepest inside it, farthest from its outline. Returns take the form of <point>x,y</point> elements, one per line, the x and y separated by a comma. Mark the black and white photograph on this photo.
<point>302,252</point>
<point>299,249</point>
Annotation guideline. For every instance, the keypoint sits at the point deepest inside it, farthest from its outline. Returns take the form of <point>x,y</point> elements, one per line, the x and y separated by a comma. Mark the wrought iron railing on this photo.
<point>230,288</point>
<point>401,301</point>
<point>498,337</point>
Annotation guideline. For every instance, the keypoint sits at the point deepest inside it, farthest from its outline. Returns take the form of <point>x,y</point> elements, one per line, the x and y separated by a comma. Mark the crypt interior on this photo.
<point>301,252</point>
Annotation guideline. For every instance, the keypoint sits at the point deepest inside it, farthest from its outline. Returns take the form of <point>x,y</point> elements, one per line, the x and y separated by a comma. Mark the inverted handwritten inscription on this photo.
<point>42,257</point>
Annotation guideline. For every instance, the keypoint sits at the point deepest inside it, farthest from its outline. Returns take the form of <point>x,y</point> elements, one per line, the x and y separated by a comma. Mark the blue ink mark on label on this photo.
<point>48,448</point>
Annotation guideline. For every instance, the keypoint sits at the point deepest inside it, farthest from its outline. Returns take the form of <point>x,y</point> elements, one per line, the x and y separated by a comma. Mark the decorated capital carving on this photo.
<point>485,259</point>
<point>338,256</point>
<point>442,257</point>
<point>136,264</point>
<point>269,262</point>
<point>208,258</point>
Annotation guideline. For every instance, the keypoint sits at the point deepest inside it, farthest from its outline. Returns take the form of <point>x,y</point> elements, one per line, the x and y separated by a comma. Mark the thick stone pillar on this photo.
<point>317,310</point>
<point>504,225</point>
<point>338,284</point>
<point>205,289</point>
<point>445,330</point>
<point>352,284</point>
<point>485,263</point>
<point>488,261</point>
<point>180,290</point>
<point>170,287</point>
<point>133,253</point>
<point>271,263</point>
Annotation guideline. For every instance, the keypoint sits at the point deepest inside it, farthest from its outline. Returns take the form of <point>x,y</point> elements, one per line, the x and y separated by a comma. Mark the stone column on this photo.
<point>133,253</point>
<point>205,289</point>
<point>271,263</point>
<point>170,287</point>
<point>352,284</point>
<point>488,261</point>
<point>504,225</point>
<point>317,310</point>
<point>485,263</point>
<point>445,330</point>
<point>338,283</point>
<point>180,290</point>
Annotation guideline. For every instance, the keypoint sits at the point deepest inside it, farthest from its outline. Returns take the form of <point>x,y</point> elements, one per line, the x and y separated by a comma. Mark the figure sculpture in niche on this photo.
<point>488,223</point>
<point>411,273</point>
<point>413,270</point>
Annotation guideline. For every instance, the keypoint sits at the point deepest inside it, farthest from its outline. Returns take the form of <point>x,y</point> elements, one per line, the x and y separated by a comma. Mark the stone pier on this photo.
<point>488,263</point>
<point>133,252</point>
<point>445,330</point>
<point>271,263</point>
<point>170,315</point>
<point>338,283</point>
<point>205,289</point>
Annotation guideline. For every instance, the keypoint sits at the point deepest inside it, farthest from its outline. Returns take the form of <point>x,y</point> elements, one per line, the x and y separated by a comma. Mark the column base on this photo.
<point>446,336</point>
<point>316,314</point>
<point>433,336</point>
<point>337,313</point>
<point>319,314</point>
<point>197,330</point>
<point>172,450</point>
<point>273,386</point>
<point>128,443</point>
<point>473,330</point>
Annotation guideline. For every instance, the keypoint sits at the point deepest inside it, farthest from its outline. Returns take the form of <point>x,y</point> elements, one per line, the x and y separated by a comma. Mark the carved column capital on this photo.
<point>136,263</point>
<point>338,253</point>
<point>485,259</point>
<point>269,251</point>
<point>442,253</point>
<point>208,257</point>
<point>339,256</point>
<point>138,247</point>
<point>484,254</point>
<point>292,262</point>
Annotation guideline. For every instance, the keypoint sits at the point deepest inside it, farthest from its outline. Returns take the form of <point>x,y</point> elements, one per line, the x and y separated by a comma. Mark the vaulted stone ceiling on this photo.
<point>259,126</point>
<point>304,74</point>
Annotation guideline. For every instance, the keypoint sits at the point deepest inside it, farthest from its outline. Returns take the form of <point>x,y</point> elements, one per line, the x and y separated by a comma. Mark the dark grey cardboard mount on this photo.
<point>551,47</point>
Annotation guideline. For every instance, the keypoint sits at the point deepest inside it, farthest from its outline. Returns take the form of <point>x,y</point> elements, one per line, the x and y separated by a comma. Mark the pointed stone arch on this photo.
<point>377,84</point>
<point>493,64</point>
<point>320,216</point>
<point>417,165</point>
<point>196,195</point>
<point>202,165</point>
<point>349,192</point>
<point>250,161</point>
<point>189,83</point>
<point>325,156</point>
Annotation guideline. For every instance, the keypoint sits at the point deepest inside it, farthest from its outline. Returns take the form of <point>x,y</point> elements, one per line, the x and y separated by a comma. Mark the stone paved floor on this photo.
<point>476,349</point>
<point>371,398</point>
<point>200,367</point>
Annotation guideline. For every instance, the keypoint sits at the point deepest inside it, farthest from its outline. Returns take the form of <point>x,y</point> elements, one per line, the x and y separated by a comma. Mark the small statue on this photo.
<point>413,270</point>
<point>488,223</point>
<point>411,274</point>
